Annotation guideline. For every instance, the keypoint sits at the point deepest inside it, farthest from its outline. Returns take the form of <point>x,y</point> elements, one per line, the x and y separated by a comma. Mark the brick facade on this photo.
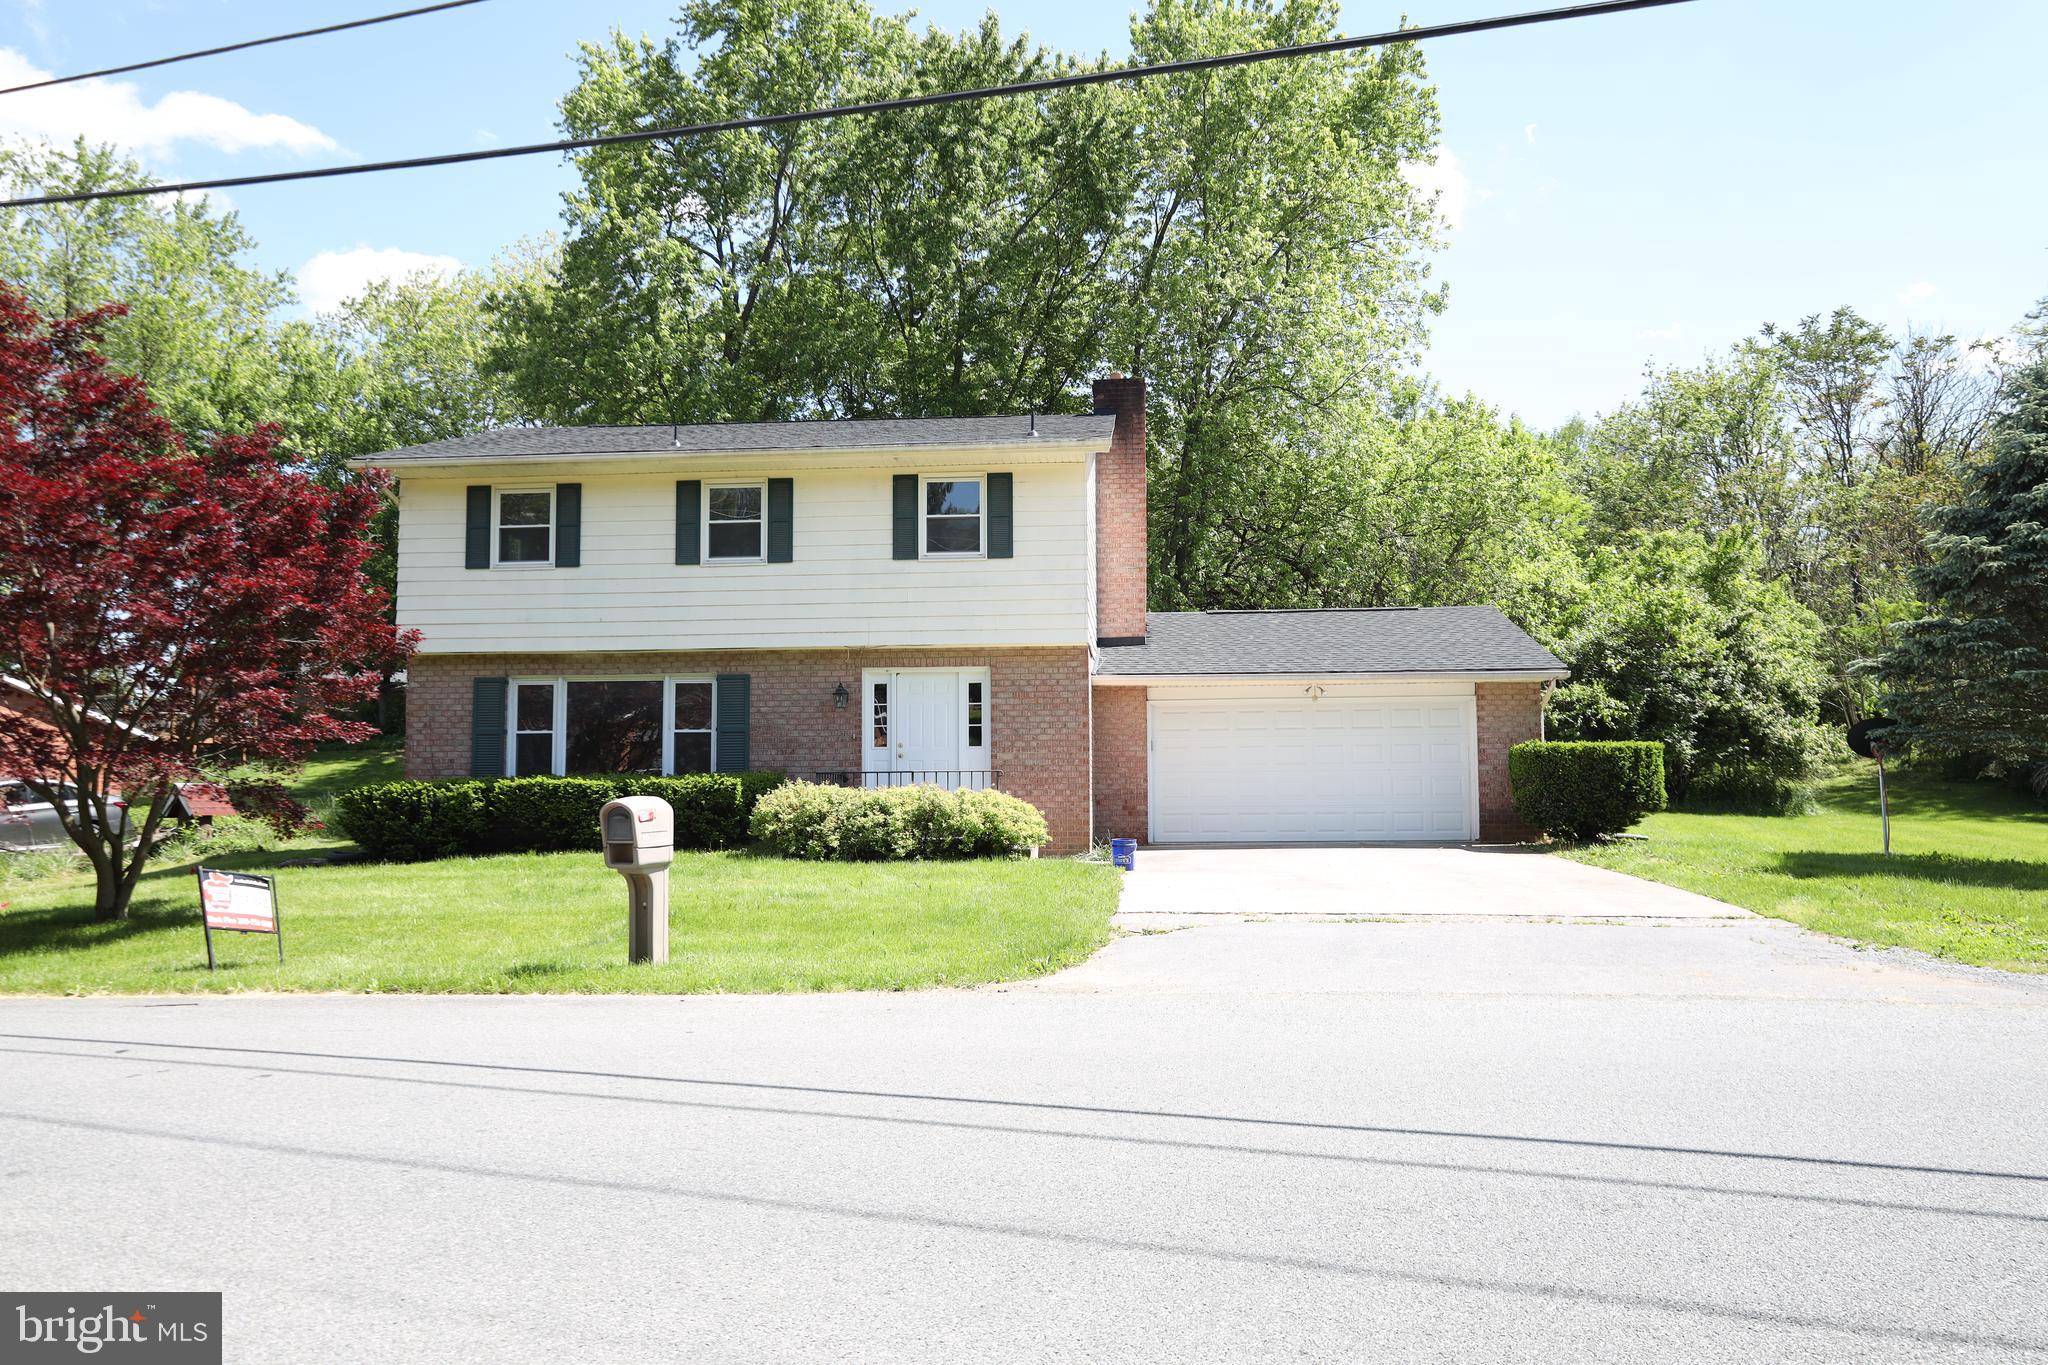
<point>1509,712</point>
<point>1120,550</point>
<point>1038,711</point>
<point>1121,764</point>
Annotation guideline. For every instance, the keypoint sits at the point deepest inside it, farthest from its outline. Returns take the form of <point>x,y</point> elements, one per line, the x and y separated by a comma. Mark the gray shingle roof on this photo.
<point>751,438</point>
<point>1330,643</point>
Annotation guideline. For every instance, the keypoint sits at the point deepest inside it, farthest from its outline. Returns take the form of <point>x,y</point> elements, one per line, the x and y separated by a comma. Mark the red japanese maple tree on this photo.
<point>172,609</point>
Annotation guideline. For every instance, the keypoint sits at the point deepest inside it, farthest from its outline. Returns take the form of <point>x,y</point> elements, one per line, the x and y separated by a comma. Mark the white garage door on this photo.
<point>1283,767</point>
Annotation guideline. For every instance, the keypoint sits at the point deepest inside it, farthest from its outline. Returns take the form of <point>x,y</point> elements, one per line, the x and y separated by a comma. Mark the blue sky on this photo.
<point>1638,188</point>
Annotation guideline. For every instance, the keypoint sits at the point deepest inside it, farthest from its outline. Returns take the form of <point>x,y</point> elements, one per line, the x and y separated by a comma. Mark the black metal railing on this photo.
<point>952,779</point>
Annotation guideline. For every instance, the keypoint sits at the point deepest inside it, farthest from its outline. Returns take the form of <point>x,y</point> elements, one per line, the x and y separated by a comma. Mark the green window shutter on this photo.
<point>730,722</point>
<point>906,516</point>
<point>689,498</point>
<point>999,519</point>
<point>487,727</point>
<point>781,516</point>
<point>476,540</point>
<point>568,525</point>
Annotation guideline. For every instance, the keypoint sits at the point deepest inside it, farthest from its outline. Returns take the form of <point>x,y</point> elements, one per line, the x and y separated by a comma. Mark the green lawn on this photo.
<point>552,922</point>
<point>1967,879</point>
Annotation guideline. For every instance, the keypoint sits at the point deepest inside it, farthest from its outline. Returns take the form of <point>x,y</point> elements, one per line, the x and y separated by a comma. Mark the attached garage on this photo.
<point>1312,763</point>
<point>1300,727</point>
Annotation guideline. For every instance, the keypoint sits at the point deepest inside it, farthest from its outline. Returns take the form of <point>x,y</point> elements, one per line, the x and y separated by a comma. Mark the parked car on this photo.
<point>29,823</point>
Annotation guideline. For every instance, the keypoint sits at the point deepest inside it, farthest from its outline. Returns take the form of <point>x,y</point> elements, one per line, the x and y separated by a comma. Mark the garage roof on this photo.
<point>1330,643</point>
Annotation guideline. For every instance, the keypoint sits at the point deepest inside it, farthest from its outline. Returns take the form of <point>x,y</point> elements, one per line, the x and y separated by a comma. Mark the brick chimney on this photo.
<point>1120,512</point>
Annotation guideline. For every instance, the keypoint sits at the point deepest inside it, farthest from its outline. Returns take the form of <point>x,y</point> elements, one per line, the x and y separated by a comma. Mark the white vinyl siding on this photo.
<point>843,588</point>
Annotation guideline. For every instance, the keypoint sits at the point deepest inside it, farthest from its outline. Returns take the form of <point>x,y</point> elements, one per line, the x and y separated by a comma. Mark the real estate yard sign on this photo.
<point>238,903</point>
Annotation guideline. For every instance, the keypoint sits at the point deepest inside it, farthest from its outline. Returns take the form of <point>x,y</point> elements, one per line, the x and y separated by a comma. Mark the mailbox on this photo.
<point>639,844</point>
<point>639,834</point>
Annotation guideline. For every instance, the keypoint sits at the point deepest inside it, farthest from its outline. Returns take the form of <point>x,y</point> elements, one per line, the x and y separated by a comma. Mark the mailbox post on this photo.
<point>639,844</point>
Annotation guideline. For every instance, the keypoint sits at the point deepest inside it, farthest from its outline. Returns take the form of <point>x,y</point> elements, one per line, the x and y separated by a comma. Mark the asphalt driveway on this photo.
<point>1268,1137</point>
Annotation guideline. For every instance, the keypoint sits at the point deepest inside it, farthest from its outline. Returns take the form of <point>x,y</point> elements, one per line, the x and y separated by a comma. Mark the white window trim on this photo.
<point>498,527</point>
<point>923,515</point>
<point>704,550</point>
<point>560,682</point>
<point>668,719</point>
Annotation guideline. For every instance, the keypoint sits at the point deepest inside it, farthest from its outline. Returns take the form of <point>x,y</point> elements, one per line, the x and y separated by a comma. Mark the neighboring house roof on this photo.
<point>1332,643</point>
<point>751,438</point>
<point>191,800</point>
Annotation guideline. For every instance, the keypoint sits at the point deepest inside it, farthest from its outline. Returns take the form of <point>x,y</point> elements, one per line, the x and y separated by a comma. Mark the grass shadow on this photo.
<point>2006,873</point>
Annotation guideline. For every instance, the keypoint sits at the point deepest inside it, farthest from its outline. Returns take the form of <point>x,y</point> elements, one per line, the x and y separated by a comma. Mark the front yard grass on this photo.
<point>552,922</point>
<point>556,923</point>
<point>1967,879</point>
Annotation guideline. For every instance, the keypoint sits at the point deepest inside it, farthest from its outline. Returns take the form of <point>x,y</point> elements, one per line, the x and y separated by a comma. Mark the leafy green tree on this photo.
<point>1276,279</point>
<point>1681,641</point>
<point>943,261</point>
<point>197,325</point>
<point>1971,677</point>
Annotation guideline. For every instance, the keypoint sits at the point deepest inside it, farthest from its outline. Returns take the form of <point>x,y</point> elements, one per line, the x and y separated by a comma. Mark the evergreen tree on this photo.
<point>1972,678</point>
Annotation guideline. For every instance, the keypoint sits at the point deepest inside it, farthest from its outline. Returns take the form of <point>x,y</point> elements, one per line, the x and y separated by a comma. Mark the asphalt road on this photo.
<point>1405,1142</point>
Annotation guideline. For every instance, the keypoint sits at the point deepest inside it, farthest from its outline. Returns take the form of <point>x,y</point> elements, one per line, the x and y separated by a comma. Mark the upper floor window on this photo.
<point>732,522</point>
<point>952,517</point>
<point>525,525</point>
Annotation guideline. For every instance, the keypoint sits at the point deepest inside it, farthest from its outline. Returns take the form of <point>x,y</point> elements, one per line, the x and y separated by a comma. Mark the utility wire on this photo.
<point>237,47</point>
<point>1124,73</point>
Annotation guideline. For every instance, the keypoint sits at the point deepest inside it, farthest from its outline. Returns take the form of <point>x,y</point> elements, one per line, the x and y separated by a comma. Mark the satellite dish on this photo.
<point>1866,734</point>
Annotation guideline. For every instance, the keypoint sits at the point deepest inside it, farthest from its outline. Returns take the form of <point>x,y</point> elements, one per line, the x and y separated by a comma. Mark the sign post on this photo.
<point>1866,737</point>
<point>238,903</point>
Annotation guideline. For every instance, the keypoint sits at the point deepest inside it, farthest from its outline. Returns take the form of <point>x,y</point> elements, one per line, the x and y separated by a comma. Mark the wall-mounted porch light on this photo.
<point>839,696</point>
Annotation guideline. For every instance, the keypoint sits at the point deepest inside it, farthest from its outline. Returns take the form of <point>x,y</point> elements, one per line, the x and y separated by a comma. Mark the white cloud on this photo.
<point>1529,133</point>
<point>333,277</point>
<point>114,111</point>
<point>1445,179</point>
<point>1671,333</point>
<point>1917,292</point>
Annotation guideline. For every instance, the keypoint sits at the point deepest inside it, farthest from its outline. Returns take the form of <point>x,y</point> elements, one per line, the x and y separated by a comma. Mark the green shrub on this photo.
<point>549,814</point>
<point>1585,790</point>
<point>853,824</point>
<point>1749,791</point>
<point>410,821</point>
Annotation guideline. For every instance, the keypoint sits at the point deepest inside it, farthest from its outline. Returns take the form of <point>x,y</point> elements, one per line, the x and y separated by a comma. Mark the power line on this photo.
<point>237,47</point>
<point>1049,83</point>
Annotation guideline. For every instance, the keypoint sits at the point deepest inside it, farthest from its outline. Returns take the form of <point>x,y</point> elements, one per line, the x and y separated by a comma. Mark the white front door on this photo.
<point>925,725</point>
<point>924,731</point>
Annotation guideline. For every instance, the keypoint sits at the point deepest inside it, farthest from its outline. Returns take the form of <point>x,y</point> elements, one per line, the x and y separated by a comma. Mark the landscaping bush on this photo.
<point>854,824</point>
<point>411,821</point>
<point>1586,790</point>
<point>1749,791</point>
<point>551,814</point>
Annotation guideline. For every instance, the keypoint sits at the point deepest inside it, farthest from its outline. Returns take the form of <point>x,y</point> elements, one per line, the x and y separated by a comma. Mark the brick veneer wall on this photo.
<point>1120,552</point>
<point>1508,714</point>
<point>1120,763</point>
<point>1037,710</point>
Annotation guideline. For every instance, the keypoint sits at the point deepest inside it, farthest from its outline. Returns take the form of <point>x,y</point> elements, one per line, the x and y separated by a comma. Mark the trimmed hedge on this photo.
<point>1586,789</point>
<point>872,824</point>
<point>413,821</point>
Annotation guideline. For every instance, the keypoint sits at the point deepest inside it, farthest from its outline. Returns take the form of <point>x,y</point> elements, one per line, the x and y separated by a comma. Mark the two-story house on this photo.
<point>960,600</point>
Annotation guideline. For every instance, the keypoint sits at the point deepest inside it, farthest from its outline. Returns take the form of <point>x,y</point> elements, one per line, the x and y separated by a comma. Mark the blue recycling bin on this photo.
<point>1124,853</point>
